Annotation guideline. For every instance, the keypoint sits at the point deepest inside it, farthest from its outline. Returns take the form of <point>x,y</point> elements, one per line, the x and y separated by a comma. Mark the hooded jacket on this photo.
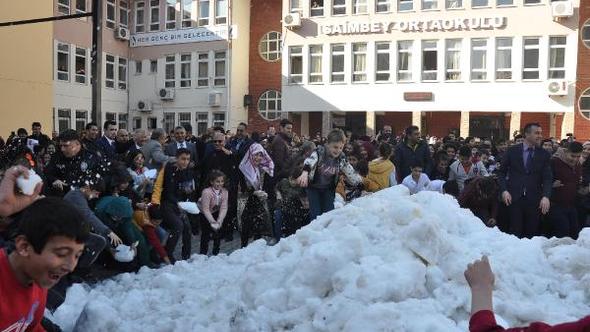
<point>379,176</point>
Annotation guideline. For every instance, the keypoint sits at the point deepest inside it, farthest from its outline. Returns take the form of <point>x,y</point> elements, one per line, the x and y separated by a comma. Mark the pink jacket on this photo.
<point>209,204</point>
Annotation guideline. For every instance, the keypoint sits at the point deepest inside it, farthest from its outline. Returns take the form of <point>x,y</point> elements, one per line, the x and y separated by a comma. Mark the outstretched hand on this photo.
<point>10,202</point>
<point>481,280</point>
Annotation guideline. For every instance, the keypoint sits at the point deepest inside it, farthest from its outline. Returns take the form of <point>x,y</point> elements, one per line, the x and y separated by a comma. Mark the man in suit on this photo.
<point>180,142</point>
<point>526,181</point>
<point>139,139</point>
<point>152,150</point>
<point>106,143</point>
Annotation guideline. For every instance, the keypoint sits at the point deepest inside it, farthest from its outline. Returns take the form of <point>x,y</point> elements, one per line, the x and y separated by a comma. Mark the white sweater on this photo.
<point>416,187</point>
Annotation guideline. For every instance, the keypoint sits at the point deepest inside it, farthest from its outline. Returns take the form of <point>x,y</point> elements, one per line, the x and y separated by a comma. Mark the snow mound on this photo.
<point>388,262</point>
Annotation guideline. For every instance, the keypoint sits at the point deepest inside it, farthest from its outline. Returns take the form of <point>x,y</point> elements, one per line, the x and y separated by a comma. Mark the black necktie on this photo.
<point>529,160</point>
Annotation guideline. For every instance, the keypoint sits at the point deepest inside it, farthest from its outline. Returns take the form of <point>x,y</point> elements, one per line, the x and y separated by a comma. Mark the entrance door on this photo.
<point>356,122</point>
<point>488,126</point>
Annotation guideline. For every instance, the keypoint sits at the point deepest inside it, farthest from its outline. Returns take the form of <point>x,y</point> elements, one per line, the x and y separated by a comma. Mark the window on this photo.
<point>154,15</point>
<point>383,6</point>
<point>404,60</point>
<point>109,81</point>
<point>382,66</point>
<point>169,121</point>
<point>405,5</point>
<point>80,65</point>
<point>184,119</point>
<point>429,4</point>
<point>170,80</point>
<point>63,7</point>
<point>202,123</point>
<point>500,3</point>
<point>557,57</point>
<point>429,60</point>
<point>586,34</point>
<point>585,104</point>
<point>152,123</point>
<point>295,6</point>
<point>531,2</point>
<point>140,17</point>
<point>270,46</point>
<point>219,120</point>
<point>122,73</point>
<point>221,12</point>
<point>337,63</point>
<point>136,123</point>
<point>170,14</point>
<point>81,119</point>
<point>359,6</point>
<point>531,59</point>
<point>123,13</point>
<point>503,58</point>
<point>111,116</point>
<point>185,70</point>
<point>80,6</point>
<point>359,62</point>
<point>479,3</point>
<point>219,79</point>
<point>479,52</point>
<point>453,60</point>
<point>64,119</point>
<point>153,66</point>
<point>187,13</point>
<point>295,64</point>
<point>454,4</point>
<point>63,62</point>
<point>338,7</point>
<point>315,63</point>
<point>203,70</point>
<point>138,67</point>
<point>122,123</point>
<point>317,8</point>
<point>203,12</point>
<point>111,19</point>
<point>269,105</point>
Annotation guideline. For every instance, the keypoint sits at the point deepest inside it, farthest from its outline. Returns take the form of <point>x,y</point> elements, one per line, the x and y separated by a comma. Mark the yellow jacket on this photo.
<point>158,186</point>
<point>378,177</point>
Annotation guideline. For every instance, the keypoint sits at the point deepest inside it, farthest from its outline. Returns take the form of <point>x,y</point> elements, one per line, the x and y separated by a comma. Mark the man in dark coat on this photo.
<point>38,135</point>
<point>106,143</point>
<point>411,151</point>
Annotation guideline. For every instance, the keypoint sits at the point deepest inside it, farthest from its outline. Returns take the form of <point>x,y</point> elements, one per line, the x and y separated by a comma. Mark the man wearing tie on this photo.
<point>106,143</point>
<point>525,180</point>
<point>180,142</point>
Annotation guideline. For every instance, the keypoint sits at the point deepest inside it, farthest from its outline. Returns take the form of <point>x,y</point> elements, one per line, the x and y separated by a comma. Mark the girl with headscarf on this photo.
<point>255,217</point>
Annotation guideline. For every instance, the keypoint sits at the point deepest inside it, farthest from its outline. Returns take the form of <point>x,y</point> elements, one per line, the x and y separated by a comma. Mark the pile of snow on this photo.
<point>388,262</point>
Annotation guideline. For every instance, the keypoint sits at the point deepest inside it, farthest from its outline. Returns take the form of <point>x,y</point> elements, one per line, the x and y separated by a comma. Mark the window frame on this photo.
<point>81,115</point>
<point>67,53</point>
<point>109,83</point>
<point>425,48</point>
<point>110,23</point>
<point>387,3</point>
<point>63,117</point>
<point>315,54</point>
<point>154,19</point>
<point>585,95</point>
<point>123,121</point>
<point>525,47</point>
<point>219,80</point>
<point>218,122</point>
<point>124,13</point>
<point>183,17</point>
<point>553,47</point>
<point>387,52</point>
<point>200,79</point>
<point>356,5</point>
<point>339,7</point>
<point>221,19</point>
<point>266,39</point>
<point>122,69</point>
<point>319,11</point>
<point>203,20</point>
<point>500,5</point>
<point>333,54</point>
<point>139,10</point>
<point>200,119</point>
<point>171,8</point>
<point>138,67</point>
<point>77,55</point>
<point>487,4</point>
<point>64,7</point>
<point>292,56</point>
<point>153,69</point>
<point>484,70</point>
<point>357,53</point>
<point>296,9</point>
<point>277,100</point>
<point>81,10</point>
<point>510,50</point>
<point>435,2</point>
<point>585,27</point>
<point>401,2</point>
<point>170,62</point>
<point>187,81</point>
<point>409,51</point>
<point>458,49</point>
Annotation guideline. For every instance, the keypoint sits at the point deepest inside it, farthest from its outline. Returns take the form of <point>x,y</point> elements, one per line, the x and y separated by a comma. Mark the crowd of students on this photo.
<point>132,196</point>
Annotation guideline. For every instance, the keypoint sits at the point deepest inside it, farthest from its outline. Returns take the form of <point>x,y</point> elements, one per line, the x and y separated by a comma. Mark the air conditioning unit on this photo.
<point>122,33</point>
<point>167,94</point>
<point>292,20</point>
<point>562,8</point>
<point>557,88</point>
<point>215,99</point>
<point>143,106</point>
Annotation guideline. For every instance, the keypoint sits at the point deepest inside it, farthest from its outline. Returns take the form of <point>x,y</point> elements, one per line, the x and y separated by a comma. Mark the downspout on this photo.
<point>229,62</point>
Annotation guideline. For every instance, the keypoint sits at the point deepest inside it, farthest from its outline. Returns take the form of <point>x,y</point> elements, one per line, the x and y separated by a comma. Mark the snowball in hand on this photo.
<point>27,186</point>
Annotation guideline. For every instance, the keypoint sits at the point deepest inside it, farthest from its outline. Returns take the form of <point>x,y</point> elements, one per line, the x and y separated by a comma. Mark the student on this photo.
<point>481,197</point>
<point>481,280</point>
<point>465,169</point>
<point>441,169</point>
<point>292,205</point>
<point>136,168</point>
<point>213,206</point>
<point>50,240</point>
<point>149,221</point>
<point>381,171</point>
<point>416,181</point>
<point>320,173</point>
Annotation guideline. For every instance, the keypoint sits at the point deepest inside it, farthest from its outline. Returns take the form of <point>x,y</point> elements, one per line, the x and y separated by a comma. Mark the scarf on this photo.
<point>251,173</point>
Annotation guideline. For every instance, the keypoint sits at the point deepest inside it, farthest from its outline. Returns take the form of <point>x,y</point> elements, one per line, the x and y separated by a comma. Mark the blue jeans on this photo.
<point>278,224</point>
<point>320,201</point>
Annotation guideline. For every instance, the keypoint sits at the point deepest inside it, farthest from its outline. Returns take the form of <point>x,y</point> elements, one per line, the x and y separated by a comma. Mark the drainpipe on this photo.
<point>229,62</point>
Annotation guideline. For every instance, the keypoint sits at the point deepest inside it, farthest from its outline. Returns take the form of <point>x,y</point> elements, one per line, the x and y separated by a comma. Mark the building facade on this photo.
<point>582,105</point>
<point>476,68</point>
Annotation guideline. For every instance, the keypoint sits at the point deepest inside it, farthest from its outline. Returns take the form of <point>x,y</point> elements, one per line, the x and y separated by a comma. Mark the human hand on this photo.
<point>58,184</point>
<point>11,203</point>
<point>557,184</point>
<point>261,194</point>
<point>115,240</point>
<point>491,222</point>
<point>226,151</point>
<point>544,205</point>
<point>479,274</point>
<point>507,198</point>
<point>303,180</point>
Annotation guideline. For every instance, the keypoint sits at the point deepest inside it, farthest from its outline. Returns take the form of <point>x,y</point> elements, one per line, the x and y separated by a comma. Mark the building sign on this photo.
<point>183,36</point>
<point>418,96</point>
<point>451,24</point>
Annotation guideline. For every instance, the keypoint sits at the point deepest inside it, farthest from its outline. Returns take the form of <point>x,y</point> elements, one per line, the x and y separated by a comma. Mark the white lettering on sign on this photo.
<point>474,23</point>
<point>183,36</point>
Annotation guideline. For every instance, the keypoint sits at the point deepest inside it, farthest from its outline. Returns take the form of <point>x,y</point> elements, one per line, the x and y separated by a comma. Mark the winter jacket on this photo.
<point>570,177</point>
<point>405,156</point>
<point>484,321</point>
<point>469,199</point>
<point>280,153</point>
<point>317,158</point>
<point>379,176</point>
<point>77,198</point>
<point>457,172</point>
